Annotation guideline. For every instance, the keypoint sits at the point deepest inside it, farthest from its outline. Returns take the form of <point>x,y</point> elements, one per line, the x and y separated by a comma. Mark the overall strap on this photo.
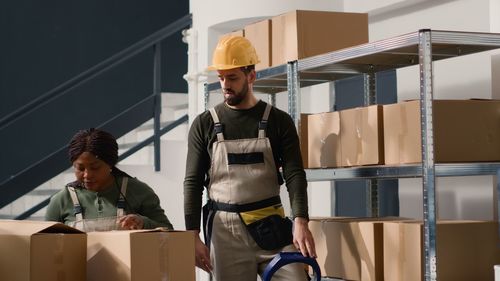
<point>263,122</point>
<point>217,125</point>
<point>76,203</point>
<point>120,205</point>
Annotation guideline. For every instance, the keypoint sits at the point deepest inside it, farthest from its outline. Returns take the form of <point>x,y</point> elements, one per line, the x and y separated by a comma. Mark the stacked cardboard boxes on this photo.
<point>391,249</point>
<point>464,131</point>
<point>301,34</point>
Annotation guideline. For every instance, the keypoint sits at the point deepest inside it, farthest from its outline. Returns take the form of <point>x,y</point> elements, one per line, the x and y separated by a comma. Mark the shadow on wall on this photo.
<point>329,155</point>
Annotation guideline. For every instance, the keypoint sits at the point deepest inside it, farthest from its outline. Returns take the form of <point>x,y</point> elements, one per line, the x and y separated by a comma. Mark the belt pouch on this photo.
<point>270,232</point>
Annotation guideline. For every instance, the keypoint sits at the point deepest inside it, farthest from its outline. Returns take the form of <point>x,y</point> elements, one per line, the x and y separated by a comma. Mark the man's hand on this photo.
<point>202,254</point>
<point>131,221</point>
<point>302,238</point>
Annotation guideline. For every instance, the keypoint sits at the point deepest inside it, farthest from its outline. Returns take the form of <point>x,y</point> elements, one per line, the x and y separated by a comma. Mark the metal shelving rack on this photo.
<point>422,48</point>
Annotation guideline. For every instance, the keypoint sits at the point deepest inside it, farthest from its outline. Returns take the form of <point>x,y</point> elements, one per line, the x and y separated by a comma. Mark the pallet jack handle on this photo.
<point>284,258</point>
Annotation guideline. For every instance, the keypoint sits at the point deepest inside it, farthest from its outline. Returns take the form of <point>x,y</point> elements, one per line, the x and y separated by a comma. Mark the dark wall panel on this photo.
<point>45,43</point>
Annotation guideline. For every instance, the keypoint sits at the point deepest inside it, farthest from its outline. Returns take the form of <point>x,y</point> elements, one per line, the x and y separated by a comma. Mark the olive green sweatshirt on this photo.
<point>140,199</point>
<point>243,124</point>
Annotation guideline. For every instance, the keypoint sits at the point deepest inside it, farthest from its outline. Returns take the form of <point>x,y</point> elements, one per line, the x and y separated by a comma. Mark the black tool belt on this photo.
<point>264,220</point>
<point>238,208</point>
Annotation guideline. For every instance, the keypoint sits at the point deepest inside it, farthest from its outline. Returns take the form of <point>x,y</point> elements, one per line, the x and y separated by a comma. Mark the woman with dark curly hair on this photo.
<point>103,197</point>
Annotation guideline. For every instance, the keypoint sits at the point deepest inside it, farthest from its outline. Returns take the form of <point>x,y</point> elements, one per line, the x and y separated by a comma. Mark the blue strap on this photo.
<point>78,209</point>
<point>285,258</point>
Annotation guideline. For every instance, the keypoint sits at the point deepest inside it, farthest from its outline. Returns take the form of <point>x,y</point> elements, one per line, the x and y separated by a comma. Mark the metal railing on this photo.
<point>13,190</point>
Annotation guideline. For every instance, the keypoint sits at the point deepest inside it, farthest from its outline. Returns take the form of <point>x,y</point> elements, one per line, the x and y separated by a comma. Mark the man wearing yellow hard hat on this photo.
<point>236,149</point>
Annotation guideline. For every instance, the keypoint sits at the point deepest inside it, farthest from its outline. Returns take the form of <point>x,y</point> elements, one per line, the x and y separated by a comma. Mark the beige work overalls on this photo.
<point>234,253</point>
<point>98,224</point>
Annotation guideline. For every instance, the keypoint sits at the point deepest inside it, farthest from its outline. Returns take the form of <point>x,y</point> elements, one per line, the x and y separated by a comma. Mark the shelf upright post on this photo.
<point>271,99</point>
<point>293,92</point>
<point>370,88</point>
<point>428,167</point>
<point>157,105</point>
<point>206,96</point>
<point>369,98</point>
<point>498,199</point>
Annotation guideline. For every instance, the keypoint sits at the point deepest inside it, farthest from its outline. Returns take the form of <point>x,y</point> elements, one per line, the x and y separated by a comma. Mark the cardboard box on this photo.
<point>466,250</point>
<point>350,248</point>
<point>320,140</point>
<point>137,255</point>
<point>362,136</point>
<point>41,251</point>
<point>464,131</point>
<point>259,34</point>
<point>301,34</point>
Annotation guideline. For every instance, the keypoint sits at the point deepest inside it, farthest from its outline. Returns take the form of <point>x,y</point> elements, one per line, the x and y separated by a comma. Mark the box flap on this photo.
<point>130,232</point>
<point>27,227</point>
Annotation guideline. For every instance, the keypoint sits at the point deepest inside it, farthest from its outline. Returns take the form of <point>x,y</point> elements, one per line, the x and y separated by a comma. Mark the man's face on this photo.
<point>234,84</point>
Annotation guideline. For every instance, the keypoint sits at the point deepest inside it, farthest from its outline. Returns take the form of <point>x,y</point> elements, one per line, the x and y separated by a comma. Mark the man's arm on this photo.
<point>293,170</point>
<point>197,164</point>
<point>295,179</point>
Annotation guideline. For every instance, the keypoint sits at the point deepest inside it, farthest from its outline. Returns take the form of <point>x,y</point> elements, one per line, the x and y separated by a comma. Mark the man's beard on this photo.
<point>236,98</point>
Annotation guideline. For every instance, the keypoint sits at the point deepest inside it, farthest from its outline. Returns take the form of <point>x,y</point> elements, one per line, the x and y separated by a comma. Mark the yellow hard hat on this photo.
<point>233,52</point>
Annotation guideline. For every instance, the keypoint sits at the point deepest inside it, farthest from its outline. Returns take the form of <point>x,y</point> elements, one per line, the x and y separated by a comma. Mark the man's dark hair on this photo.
<point>247,69</point>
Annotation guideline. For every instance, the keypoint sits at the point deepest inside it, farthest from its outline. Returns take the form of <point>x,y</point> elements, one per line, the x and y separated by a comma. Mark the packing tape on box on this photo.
<point>163,256</point>
<point>359,134</point>
<point>401,249</point>
<point>403,130</point>
<point>59,257</point>
<point>323,122</point>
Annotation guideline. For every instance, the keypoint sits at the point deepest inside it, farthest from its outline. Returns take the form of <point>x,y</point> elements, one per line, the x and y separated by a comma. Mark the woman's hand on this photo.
<point>302,238</point>
<point>131,221</point>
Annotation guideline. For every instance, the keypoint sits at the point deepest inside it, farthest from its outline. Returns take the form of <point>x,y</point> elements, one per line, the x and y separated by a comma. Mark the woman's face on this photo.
<point>94,173</point>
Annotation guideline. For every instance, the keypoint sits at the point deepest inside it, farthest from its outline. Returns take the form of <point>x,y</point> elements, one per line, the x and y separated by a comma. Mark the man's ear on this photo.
<point>251,76</point>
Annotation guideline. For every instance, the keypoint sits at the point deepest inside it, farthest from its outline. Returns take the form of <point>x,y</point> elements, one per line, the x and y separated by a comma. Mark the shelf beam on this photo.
<point>403,171</point>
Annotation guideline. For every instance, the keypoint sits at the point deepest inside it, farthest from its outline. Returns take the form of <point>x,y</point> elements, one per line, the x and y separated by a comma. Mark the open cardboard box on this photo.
<point>41,251</point>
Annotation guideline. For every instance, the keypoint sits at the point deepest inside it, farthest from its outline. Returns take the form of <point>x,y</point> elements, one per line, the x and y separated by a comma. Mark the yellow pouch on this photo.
<point>256,215</point>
